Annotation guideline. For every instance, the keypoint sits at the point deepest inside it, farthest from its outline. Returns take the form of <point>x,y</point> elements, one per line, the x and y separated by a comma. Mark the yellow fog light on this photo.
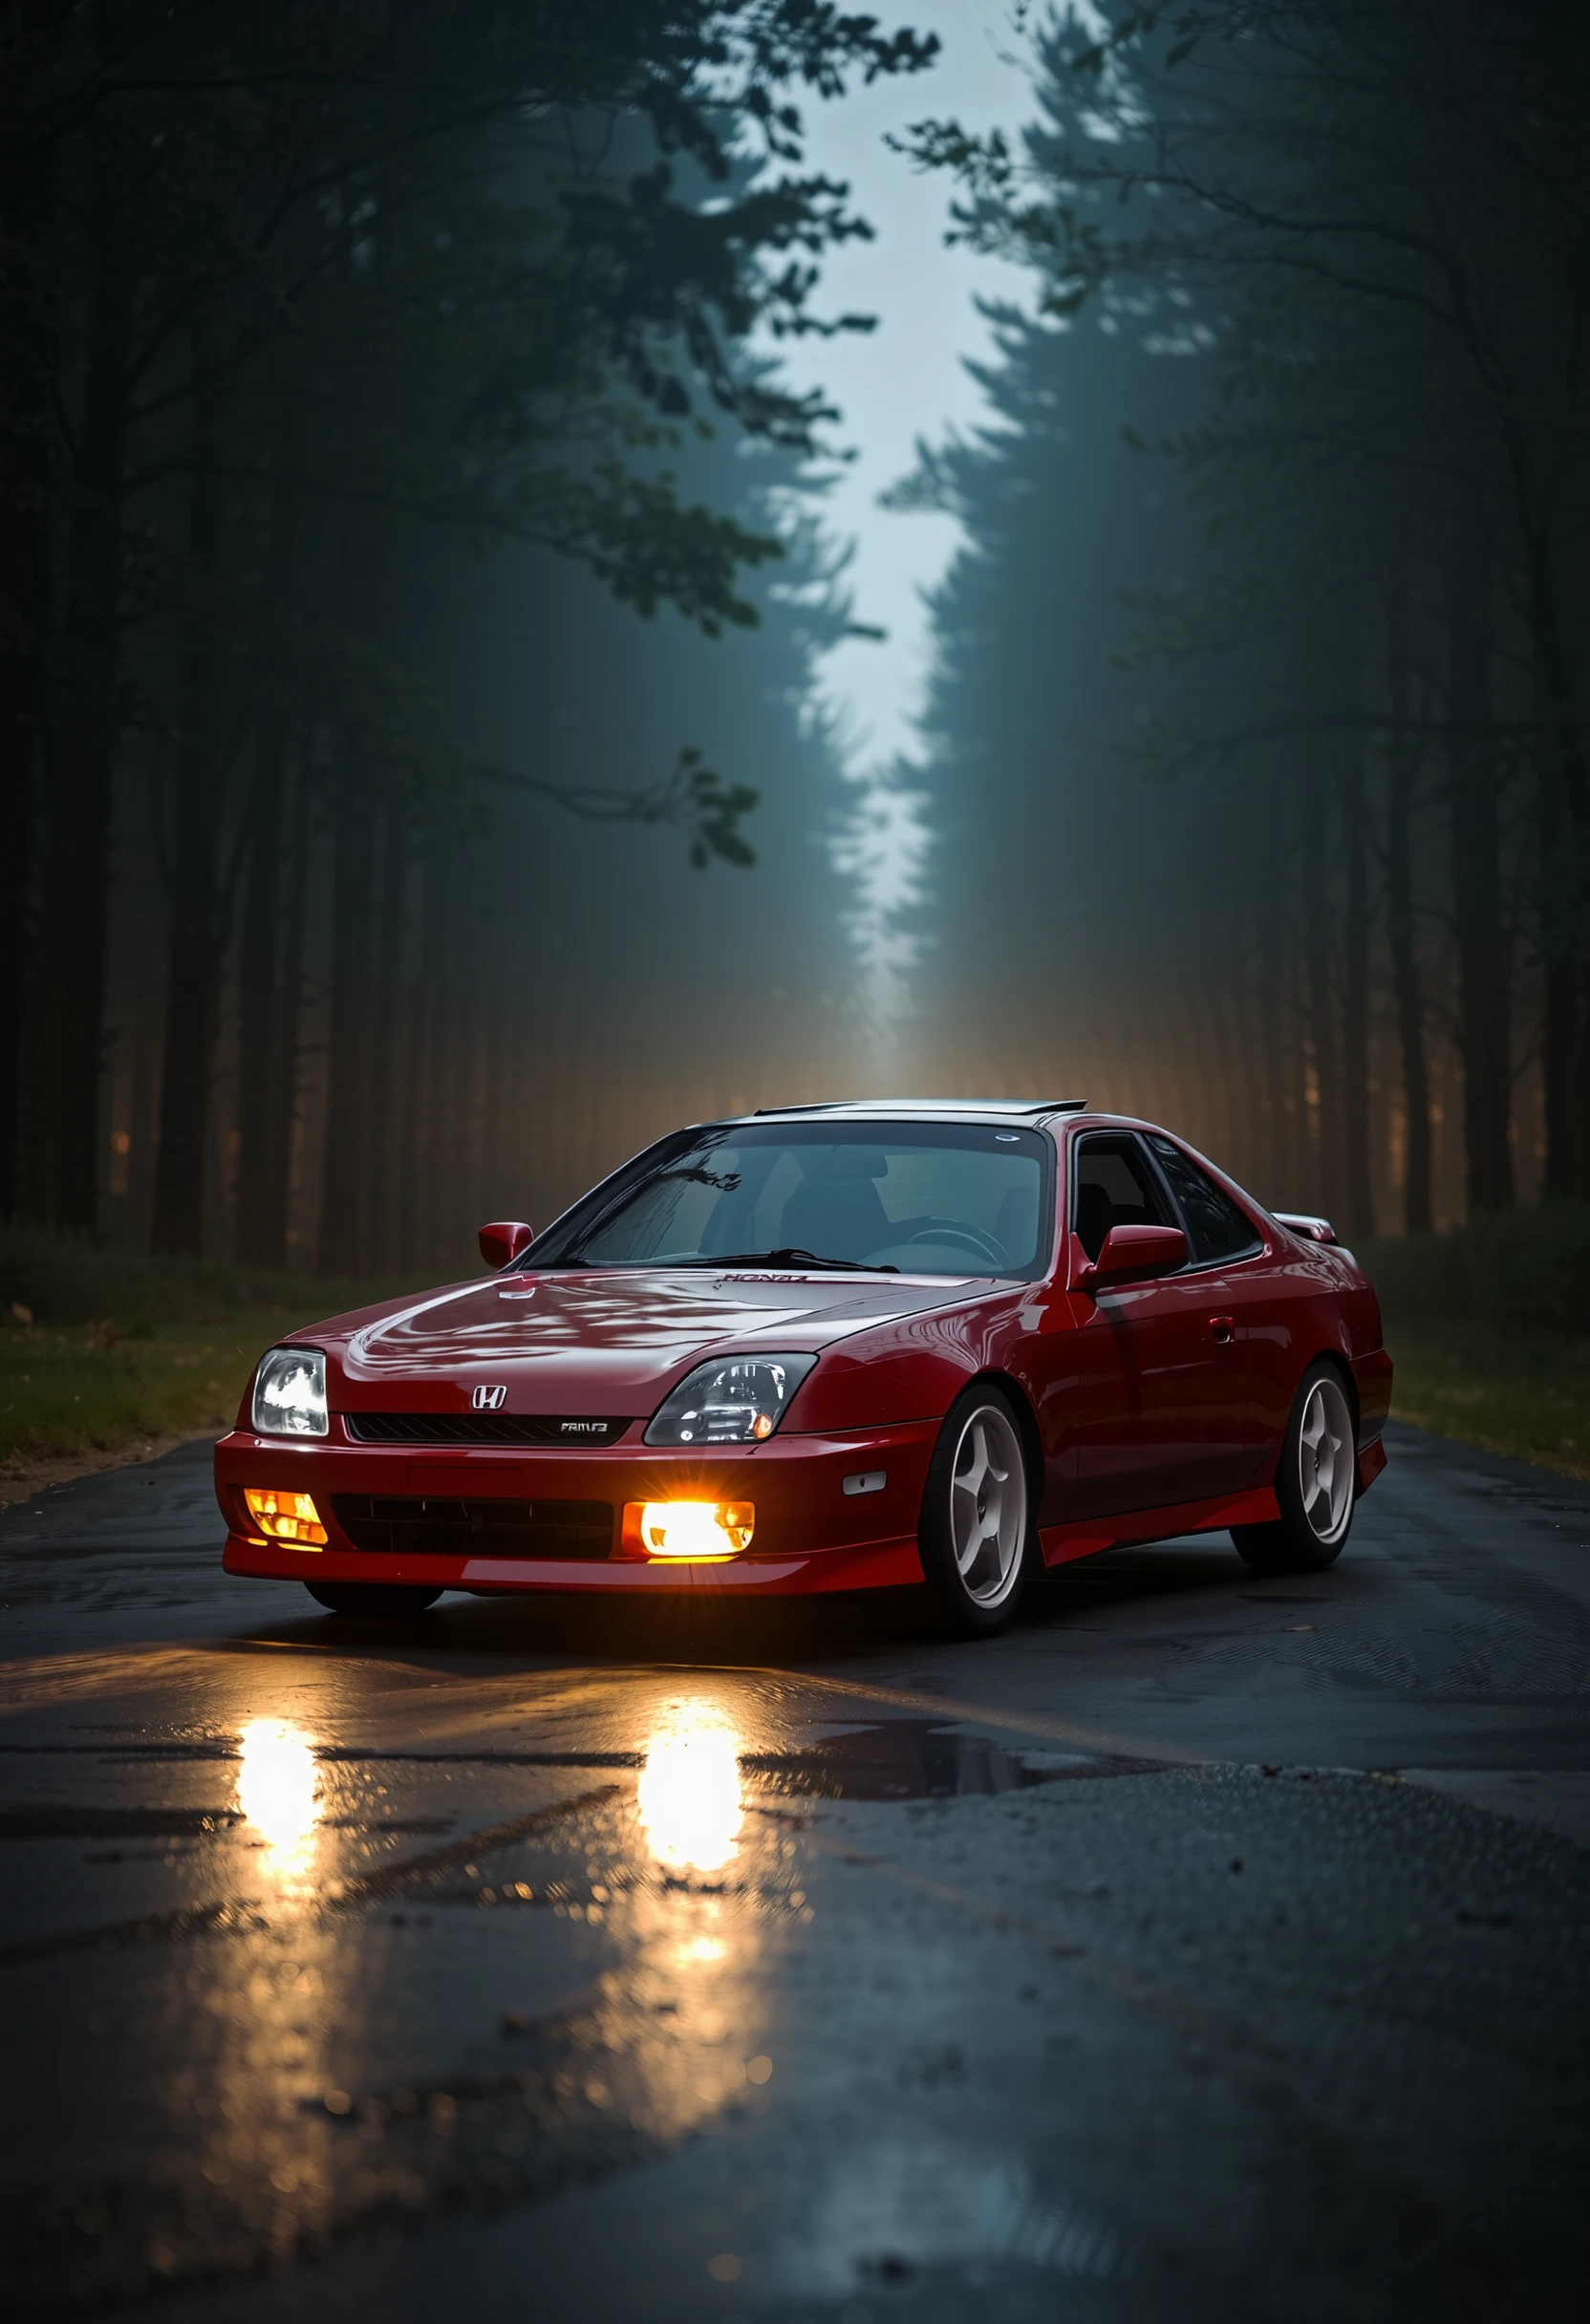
<point>702,1531</point>
<point>286,1516</point>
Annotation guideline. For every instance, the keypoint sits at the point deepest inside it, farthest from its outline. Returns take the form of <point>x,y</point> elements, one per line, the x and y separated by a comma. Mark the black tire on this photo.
<point>1315,1486</point>
<point>386,1600</point>
<point>975,1591</point>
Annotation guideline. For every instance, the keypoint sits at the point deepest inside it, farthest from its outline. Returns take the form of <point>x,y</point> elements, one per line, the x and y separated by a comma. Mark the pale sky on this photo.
<point>907,378</point>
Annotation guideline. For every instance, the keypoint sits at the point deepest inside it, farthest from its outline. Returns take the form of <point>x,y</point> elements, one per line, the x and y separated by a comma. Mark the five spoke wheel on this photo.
<point>1316,1479</point>
<point>1325,1460</point>
<point>988,1505</point>
<point>977,1532</point>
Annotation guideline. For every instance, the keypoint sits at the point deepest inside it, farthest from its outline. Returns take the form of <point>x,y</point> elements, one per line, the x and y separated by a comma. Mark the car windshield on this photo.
<point>921,1198</point>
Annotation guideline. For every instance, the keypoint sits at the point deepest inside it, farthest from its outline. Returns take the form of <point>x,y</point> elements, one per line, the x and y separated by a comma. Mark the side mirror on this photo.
<point>501,1242</point>
<point>1133,1254</point>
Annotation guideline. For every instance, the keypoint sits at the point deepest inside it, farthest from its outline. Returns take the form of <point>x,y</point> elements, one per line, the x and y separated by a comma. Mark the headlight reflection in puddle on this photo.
<point>689,1789</point>
<point>278,1790</point>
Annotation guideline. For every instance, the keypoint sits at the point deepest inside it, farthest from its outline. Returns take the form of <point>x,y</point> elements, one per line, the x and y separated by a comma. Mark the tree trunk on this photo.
<point>192,1005</point>
<point>1359,1184</point>
<point>260,1225</point>
<point>1563,796</point>
<point>19,746</point>
<point>343,1179</point>
<point>1484,1002</point>
<point>413,1231</point>
<point>283,1124</point>
<point>26,364</point>
<point>1559,1032</point>
<point>385,1135</point>
<point>427,1096</point>
<point>67,1027</point>
<point>1321,1002</point>
<point>1279,1159</point>
<point>259,999</point>
<point>1418,1211</point>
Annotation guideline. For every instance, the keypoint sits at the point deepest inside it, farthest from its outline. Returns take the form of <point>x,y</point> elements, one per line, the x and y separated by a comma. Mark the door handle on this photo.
<point>1222,1329</point>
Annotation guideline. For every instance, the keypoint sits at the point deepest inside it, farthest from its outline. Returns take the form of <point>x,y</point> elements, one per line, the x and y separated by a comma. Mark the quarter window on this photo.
<point>1215,1228</point>
<point>1115,1188</point>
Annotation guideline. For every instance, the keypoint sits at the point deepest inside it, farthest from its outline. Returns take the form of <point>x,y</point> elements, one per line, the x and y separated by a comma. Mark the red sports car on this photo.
<point>831,1348</point>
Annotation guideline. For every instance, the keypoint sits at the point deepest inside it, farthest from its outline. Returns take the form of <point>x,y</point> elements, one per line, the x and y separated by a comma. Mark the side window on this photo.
<point>1215,1227</point>
<point>1115,1187</point>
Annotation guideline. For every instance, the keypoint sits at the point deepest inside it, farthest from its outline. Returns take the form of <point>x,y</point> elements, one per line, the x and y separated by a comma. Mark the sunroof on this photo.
<point>935,1105</point>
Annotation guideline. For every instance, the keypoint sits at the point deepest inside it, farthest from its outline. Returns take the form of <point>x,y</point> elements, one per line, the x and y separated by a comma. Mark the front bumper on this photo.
<point>810,1534</point>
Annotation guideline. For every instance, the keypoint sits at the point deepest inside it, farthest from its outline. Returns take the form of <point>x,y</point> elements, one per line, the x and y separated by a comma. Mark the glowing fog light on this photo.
<point>291,1517</point>
<point>698,1530</point>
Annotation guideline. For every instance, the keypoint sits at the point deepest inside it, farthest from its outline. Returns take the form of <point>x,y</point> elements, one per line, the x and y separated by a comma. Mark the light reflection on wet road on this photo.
<point>1168,1958</point>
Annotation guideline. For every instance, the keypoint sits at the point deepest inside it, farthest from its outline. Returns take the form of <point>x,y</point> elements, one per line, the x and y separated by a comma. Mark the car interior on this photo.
<point>837,1207</point>
<point>1115,1188</point>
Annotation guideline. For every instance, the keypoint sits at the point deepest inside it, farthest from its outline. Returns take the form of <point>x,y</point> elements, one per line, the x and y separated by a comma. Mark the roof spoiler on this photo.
<point>1306,1224</point>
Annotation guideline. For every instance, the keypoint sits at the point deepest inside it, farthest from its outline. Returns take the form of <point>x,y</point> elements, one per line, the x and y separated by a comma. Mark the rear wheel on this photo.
<point>977,1531</point>
<point>1315,1484</point>
<point>376,1598</point>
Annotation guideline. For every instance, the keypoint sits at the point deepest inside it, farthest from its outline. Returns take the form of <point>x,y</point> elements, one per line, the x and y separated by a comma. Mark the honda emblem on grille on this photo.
<point>489,1399</point>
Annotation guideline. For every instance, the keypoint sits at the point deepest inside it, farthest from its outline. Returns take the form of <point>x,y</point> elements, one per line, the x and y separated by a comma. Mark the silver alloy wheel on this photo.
<point>1325,1461</point>
<point>988,1506</point>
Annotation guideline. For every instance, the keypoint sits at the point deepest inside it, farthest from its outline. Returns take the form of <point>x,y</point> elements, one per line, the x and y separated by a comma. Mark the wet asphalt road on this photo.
<point>1205,1947</point>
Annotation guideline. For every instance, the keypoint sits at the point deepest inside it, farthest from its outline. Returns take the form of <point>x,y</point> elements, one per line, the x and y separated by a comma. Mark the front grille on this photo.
<point>479,1429</point>
<point>405,1526</point>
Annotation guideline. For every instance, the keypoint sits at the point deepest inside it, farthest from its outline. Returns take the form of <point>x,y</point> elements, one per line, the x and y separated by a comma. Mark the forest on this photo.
<point>1257,722</point>
<point>420,786</point>
<point>387,467</point>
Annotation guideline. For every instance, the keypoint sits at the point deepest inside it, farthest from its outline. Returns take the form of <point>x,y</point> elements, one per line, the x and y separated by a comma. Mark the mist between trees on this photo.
<point>399,538</point>
<point>411,592</point>
<point>1255,745</point>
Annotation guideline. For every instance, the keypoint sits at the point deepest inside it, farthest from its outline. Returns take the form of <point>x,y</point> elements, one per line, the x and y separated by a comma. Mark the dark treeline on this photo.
<point>318,851</point>
<point>1258,710</point>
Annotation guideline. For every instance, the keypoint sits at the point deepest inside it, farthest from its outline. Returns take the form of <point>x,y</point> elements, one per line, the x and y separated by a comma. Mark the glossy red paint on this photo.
<point>1154,1402</point>
<point>1134,1253</point>
<point>504,1241</point>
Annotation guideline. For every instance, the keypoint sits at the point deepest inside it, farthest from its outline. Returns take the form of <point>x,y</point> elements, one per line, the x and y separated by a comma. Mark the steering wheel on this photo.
<point>983,1244</point>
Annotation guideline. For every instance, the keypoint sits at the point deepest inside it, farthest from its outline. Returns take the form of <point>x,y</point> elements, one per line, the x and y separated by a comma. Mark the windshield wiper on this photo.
<point>791,1256</point>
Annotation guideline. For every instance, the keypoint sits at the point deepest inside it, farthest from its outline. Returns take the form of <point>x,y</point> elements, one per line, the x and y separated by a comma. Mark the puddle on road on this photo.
<point>689,1793</point>
<point>278,2121</point>
<point>921,1760</point>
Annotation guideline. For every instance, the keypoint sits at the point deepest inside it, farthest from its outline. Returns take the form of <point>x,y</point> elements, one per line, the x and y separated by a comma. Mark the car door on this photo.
<point>1154,1419</point>
<point>1251,1302</point>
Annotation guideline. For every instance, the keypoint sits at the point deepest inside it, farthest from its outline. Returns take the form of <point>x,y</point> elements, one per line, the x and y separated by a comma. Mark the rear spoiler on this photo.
<point>1303,1223</point>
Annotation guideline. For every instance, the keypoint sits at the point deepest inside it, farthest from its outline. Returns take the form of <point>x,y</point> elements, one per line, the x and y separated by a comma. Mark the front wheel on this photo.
<point>382,1599</point>
<point>977,1531</point>
<point>1315,1484</point>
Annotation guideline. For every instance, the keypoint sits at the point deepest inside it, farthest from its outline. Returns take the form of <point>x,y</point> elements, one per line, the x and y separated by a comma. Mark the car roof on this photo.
<point>921,1110</point>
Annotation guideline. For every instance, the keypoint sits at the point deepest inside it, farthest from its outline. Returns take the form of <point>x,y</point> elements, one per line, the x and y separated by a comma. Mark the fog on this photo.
<point>447,739</point>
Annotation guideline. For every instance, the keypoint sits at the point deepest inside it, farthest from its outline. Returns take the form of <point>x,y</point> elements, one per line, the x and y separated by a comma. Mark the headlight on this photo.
<point>290,1393</point>
<point>734,1400</point>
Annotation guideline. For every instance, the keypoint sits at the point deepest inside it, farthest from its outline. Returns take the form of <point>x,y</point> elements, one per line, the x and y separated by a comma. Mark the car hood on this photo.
<point>602,1342</point>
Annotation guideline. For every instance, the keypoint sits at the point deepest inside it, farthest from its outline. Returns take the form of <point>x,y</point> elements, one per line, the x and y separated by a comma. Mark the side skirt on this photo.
<point>1062,1543</point>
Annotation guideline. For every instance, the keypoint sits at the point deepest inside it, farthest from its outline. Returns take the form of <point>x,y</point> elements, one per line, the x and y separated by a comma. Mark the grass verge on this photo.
<point>88,1387</point>
<point>1488,1325</point>
<point>103,1352</point>
<point>1527,1397</point>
